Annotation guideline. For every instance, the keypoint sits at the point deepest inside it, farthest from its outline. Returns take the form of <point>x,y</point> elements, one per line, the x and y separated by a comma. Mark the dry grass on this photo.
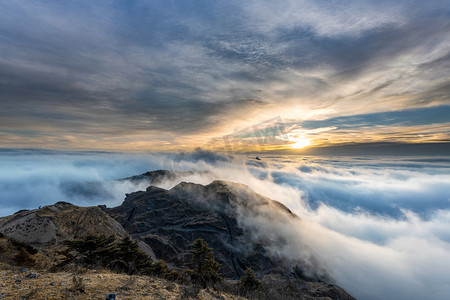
<point>78,285</point>
<point>95,285</point>
<point>129,283</point>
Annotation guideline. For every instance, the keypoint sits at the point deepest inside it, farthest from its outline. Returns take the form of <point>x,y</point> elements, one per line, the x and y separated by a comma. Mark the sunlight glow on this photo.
<point>301,143</point>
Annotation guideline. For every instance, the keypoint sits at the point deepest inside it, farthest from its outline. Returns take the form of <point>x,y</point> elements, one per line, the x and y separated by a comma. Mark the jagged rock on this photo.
<point>169,221</point>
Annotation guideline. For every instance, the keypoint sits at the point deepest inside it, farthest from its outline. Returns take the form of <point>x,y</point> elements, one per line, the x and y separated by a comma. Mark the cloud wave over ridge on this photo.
<point>378,226</point>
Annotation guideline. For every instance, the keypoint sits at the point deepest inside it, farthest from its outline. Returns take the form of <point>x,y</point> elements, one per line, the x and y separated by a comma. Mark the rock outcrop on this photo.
<point>61,221</point>
<point>168,221</point>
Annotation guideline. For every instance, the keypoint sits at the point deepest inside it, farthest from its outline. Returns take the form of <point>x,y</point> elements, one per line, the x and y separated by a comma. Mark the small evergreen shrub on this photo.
<point>249,282</point>
<point>123,256</point>
<point>205,270</point>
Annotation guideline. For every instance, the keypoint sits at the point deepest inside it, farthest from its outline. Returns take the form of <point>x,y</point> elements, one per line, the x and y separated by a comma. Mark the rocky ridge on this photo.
<point>166,222</point>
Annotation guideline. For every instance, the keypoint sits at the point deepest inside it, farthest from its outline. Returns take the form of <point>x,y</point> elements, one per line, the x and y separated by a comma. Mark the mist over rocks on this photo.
<point>371,253</point>
<point>165,222</point>
<point>169,220</point>
<point>227,215</point>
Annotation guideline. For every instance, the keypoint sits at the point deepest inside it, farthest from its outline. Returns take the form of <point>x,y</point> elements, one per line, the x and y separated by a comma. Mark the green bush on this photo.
<point>93,251</point>
<point>161,269</point>
<point>136,260</point>
<point>249,282</point>
<point>124,256</point>
<point>205,270</point>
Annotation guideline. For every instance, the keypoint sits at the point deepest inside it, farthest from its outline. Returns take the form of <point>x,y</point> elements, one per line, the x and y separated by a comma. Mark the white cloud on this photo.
<point>372,256</point>
<point>325,18</point>
<point>371,252</point>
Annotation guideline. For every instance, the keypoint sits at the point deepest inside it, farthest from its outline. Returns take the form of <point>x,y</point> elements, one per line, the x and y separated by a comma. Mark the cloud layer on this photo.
<point>378,226</point>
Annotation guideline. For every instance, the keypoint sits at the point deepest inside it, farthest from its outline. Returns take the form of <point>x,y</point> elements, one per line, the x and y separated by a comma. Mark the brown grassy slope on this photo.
<point>96,284</point>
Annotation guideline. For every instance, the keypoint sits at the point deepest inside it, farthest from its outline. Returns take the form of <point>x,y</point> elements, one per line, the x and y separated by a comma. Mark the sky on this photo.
<point>177,75</point>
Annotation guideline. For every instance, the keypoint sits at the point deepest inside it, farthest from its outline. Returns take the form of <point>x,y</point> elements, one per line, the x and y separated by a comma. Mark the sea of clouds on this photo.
<point>380,226</point>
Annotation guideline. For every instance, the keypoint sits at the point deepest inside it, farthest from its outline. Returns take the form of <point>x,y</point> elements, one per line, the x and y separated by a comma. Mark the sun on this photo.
<point>301,143</point>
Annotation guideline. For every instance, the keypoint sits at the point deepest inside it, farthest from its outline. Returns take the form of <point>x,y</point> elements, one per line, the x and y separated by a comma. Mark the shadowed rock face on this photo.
<point>170,220</point>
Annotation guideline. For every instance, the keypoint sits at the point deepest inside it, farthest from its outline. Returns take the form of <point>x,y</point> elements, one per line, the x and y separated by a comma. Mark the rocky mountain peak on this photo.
<point>170,220</point>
